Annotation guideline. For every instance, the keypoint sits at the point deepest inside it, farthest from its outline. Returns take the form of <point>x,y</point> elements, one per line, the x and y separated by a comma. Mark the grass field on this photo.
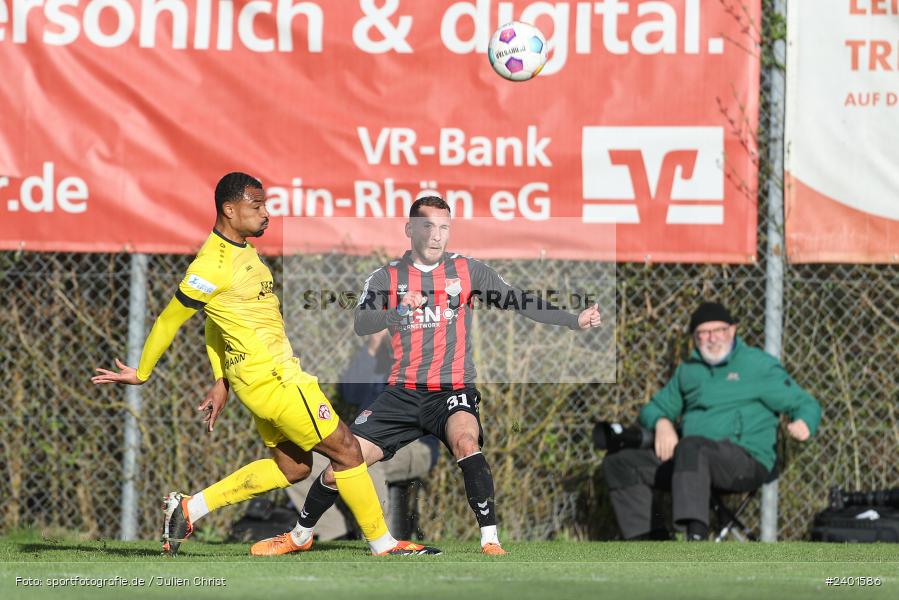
<point>629,571</point>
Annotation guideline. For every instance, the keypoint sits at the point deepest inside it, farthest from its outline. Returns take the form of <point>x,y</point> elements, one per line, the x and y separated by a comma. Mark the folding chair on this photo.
<point>729,522</point>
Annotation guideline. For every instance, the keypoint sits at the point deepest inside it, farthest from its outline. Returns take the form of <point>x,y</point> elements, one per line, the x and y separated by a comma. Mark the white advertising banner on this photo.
<point>842,131</point>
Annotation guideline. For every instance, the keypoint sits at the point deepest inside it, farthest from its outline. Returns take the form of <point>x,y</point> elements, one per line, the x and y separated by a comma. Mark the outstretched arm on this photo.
<point>203,281</point>
<point>497,293</point>
<point>161,336</point>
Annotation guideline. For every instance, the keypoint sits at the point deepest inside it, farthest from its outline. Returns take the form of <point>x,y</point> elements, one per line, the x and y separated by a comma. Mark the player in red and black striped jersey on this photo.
<point>427,308</point>
<point>425,300</point>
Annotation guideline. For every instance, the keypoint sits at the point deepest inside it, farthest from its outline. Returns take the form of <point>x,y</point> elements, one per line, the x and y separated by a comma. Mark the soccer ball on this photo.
<point>517,51</point>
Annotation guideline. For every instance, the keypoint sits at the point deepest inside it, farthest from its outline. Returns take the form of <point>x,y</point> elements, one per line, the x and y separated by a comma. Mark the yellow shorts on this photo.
<point>290,409</point>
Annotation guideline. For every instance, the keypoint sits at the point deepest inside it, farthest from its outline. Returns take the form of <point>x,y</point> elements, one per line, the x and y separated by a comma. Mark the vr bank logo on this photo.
<point>631,173</point>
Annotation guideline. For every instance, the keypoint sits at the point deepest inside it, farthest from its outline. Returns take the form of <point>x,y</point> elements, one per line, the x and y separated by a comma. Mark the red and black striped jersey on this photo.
<point>432,345</point>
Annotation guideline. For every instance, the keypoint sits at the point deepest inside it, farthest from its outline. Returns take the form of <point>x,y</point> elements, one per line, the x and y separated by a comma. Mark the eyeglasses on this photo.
<point>708,333</point>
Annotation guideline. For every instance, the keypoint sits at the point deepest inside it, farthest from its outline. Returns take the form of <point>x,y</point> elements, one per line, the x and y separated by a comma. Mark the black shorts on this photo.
<point>399,416</point>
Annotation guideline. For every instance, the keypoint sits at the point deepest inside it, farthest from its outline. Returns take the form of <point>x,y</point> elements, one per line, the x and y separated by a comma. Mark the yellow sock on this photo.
<point>247,482</point>
<point>357,490</point>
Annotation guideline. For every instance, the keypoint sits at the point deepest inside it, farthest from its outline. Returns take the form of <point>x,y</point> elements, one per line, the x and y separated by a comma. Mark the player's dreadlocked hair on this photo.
<point>431,199</point>
<point>230,188</point>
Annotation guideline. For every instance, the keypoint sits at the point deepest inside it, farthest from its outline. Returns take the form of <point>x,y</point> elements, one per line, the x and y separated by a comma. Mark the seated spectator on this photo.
<point>726,399</point>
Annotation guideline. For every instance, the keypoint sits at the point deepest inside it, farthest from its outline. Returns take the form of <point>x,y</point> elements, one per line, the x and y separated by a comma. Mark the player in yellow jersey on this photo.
<point>248,347</point>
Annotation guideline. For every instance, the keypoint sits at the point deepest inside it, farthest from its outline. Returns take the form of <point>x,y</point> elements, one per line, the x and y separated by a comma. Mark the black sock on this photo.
<point>479,488</point>
<point>320,499</point>
<point>697,531</point>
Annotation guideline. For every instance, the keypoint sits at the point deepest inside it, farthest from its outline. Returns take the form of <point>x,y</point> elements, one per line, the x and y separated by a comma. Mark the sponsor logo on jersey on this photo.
<point>733,376</point>
<point>265,288</point>
<point>362,418</point>
<point>427,317</point>
<point>324,413</point>
<point>235,360</point>
<point>200,284</point>
<point>453,287</point>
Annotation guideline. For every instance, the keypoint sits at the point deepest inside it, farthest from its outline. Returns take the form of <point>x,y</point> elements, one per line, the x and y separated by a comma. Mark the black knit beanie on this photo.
<point>710,311</point>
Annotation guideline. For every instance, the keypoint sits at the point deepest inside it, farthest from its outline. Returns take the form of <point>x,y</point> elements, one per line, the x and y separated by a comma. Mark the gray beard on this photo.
<point>711,361</point>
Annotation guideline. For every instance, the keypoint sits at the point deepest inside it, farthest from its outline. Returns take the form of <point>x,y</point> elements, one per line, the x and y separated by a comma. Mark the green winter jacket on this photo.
<point>739,400</point>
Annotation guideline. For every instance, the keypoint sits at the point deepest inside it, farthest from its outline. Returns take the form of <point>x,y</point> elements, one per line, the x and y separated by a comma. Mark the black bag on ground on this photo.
<point>865,524</point>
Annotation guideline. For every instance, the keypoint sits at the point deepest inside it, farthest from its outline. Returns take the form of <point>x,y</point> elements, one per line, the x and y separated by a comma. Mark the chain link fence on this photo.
<point>62,438</point>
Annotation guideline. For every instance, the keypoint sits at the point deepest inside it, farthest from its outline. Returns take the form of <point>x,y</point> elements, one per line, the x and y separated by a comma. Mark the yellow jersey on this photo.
<point>245,334</point>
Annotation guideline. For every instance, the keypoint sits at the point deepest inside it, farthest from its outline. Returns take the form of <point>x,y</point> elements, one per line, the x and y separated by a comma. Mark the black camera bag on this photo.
<point>842,525</point>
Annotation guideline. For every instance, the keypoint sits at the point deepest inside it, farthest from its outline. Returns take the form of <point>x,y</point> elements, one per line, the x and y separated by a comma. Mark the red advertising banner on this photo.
<point>117,117</point>
<point>842,131</point>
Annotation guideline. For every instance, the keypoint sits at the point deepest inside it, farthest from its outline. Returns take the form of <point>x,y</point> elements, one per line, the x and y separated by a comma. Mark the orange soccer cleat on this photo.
<point>493,549</point>
<point>280,544</point>
<point>408,549</point>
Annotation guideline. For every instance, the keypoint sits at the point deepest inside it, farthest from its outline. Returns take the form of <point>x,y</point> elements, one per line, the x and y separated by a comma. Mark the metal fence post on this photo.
<point>774,271</point>
<point>137,309</point>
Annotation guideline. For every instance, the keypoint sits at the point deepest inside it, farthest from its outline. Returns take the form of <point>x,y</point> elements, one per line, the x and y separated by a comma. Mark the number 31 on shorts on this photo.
<point>460,400</point>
